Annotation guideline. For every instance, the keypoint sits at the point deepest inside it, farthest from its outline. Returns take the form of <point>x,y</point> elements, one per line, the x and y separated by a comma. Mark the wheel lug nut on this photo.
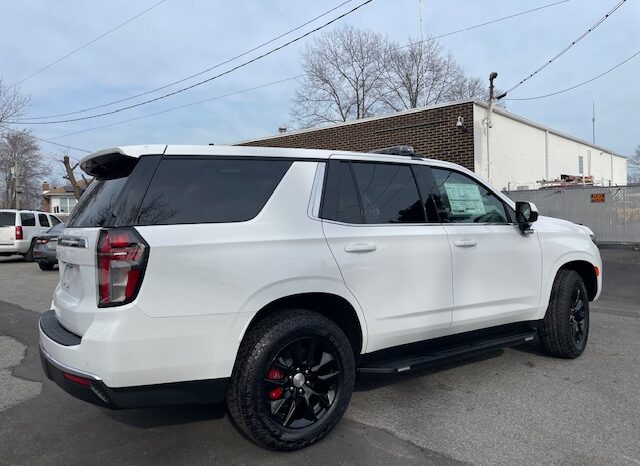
<point>290,377</point>
<point>300,391</point>
<point>291,389</point>
<point>308,383</point>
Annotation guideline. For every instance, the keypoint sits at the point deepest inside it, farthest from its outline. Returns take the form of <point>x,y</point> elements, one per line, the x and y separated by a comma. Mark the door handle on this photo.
<point>465,243</point>
<point>360,247</point>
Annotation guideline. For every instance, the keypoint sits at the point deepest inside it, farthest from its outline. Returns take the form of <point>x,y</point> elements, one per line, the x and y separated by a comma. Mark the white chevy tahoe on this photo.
<point>269,277</point>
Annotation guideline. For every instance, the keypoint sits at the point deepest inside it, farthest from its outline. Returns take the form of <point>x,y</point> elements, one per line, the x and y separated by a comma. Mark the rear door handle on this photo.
<point>360,247</point>
<point>465,243</point>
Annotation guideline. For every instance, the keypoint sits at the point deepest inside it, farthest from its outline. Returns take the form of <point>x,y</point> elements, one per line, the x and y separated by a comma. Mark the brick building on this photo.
<point>516,152</point>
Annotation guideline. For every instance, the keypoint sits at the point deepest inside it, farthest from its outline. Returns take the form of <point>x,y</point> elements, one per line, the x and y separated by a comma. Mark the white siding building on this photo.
<point>521,153</point>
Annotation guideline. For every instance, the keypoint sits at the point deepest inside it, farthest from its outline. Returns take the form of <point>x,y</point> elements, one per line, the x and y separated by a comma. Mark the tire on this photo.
<point>273,356</point>
<point>565,328</point>
<point>28,257</point>
<point>46,265</point>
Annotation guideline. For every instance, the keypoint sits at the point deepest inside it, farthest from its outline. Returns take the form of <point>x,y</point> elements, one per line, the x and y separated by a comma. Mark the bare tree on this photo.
<point>422,74</point>
<point>633,167</point>
<point>21,170</point>
<point>70,175</point>
<point>343,70</point>
<point>351,74</point>
<point>12,102</point>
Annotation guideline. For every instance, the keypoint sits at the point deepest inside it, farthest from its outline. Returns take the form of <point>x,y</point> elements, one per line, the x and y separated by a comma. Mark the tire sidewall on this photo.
<point>267,349</point>
<point>563,312</point>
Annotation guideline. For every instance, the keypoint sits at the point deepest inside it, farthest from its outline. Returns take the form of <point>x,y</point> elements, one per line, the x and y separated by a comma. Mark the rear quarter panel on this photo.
<point>238,268</point>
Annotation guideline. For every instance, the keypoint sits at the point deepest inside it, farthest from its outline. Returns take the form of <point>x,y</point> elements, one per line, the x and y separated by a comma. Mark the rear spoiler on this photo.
<point>117,162</point>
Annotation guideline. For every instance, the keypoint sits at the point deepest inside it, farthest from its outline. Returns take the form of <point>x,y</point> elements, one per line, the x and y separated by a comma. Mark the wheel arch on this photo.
<point>332,306</point>
<point>587,272</point>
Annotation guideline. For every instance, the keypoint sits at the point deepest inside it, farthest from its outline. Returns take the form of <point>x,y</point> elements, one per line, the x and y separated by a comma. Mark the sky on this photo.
<point>178,38</point>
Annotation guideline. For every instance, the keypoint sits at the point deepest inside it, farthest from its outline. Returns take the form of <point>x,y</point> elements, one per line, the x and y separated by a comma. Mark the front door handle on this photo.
<point>360,247</point>
<point>465,243</point>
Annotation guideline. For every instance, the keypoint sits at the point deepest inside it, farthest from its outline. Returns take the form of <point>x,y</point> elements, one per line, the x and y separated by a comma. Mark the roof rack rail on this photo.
<point>406,150</point>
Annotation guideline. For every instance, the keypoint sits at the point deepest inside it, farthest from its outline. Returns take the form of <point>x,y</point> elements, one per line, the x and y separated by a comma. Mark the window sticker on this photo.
<point>464,198</point>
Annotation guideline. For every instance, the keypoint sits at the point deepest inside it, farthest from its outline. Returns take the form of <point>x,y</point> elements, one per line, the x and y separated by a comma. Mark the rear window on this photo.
<point>28,220</point>
<point>208,190</point>
<point>96,205</point>
<point>7,219</point>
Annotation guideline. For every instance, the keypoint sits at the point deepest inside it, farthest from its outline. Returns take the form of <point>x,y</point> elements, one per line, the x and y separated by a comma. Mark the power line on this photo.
<point>497,20</point>
<point>582,83</point>
<point>195,74</point>
<point>49,65</point>
<point>564,50</point>
<point>179,107</point>
<point>199,83</point>
<point>295,77</point>
<point>46,140</point>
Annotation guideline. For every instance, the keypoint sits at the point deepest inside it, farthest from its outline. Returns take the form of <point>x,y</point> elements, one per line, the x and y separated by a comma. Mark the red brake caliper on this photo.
<point>275,374</point>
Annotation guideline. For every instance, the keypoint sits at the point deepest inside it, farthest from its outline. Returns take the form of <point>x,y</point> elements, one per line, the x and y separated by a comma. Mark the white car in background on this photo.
<point>269,277</point>
<point>18,228</point>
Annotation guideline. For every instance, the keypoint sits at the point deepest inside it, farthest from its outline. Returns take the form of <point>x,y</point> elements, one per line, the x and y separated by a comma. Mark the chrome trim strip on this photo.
<point>72,241</point>
<point>65,368</point>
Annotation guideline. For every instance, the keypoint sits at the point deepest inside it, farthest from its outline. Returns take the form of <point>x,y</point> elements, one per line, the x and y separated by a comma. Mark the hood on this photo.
<point>566,224</point>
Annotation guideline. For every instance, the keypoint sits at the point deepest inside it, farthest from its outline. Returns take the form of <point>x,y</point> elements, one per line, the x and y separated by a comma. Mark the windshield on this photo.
<point>7,219</point>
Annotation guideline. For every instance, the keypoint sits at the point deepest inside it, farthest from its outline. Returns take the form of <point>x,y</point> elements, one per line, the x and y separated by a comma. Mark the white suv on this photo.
<point>18,229</point>
<point>269,277</point>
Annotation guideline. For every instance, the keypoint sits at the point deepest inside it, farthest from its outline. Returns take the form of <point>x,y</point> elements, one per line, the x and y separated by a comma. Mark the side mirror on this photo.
<point>526,214</point>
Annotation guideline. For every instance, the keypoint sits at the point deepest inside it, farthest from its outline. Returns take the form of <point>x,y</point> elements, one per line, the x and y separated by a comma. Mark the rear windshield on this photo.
<point>7,219</point>
<point>96,205</point>
<point>209,190</point>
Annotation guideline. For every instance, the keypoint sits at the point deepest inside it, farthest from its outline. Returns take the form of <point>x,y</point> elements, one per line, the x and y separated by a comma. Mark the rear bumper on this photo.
<point>44,255</point>
<point>20,246</point>
<point>90,387</point>
<point>94,391</point>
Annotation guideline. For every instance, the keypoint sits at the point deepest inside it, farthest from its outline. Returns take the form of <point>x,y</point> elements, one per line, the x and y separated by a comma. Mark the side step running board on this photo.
<point>432,356</point>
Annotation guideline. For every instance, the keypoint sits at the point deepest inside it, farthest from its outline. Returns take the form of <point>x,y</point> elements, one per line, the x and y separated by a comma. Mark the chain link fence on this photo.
<point>613,213</point>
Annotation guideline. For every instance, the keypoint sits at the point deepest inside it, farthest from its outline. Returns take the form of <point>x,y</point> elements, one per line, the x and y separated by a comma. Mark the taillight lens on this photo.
<point>18,232</point>
<point>122,259</point>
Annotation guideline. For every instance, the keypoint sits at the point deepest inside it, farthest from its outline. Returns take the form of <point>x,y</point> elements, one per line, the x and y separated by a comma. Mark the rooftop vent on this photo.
<point>397,150</point>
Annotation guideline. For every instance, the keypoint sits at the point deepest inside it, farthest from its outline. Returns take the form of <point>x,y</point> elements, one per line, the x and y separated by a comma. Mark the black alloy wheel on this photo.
<point>578,318</point>
<point>302,382</point>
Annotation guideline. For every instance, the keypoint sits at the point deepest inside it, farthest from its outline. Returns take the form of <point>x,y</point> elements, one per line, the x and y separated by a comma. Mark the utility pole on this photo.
<point>16,182</point>
<point>421,29</point>
<point>593,122</point>
<point>492,76</point>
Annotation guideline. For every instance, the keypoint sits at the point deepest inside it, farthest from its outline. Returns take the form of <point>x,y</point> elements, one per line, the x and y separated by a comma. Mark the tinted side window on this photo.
<point>340,199</point>
<point>209,190</point>
<point>389,193</point>
<point>466,201</point>
<point>28,220</point>
<point>54,220</point>
<point>44,221</point>
<point>7,219</point>
<point>426,186</point>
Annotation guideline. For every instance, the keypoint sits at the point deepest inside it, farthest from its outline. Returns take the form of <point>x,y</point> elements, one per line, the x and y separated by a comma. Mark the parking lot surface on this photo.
<point>508,407</point>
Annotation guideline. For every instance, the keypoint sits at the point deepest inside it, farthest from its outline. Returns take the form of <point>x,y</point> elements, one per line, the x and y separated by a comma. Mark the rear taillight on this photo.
<point>122,259</point>
<point>18,232</point>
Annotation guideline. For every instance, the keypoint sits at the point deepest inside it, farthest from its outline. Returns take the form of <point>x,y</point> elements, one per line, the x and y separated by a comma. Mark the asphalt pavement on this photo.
<point>508,407</point>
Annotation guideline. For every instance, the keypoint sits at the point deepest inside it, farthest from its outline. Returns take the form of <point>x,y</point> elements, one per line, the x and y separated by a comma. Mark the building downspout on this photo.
<point>546,155</point>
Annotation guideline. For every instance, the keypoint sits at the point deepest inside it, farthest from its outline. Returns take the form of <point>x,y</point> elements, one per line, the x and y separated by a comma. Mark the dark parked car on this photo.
<point>44,251</point>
